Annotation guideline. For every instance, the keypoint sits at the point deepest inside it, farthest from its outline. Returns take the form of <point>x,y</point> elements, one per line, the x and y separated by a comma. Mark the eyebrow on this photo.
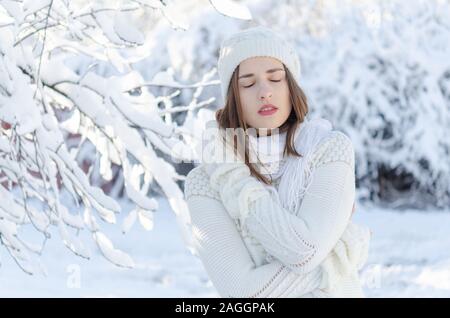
<point>268,71</point>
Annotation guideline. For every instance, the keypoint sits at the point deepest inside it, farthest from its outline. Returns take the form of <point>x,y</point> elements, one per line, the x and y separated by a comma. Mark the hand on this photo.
<point>210,168</point>
<point>349,254</point>
<point>353,211</point>
<point>220,155</point>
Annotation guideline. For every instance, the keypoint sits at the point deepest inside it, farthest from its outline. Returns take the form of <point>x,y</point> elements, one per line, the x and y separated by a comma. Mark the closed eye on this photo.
<point>270,80</point>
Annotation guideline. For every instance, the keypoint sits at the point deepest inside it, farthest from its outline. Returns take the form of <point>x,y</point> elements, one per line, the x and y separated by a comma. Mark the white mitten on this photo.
<point>237,188</point>
<point>219,153</point>
<point>348,255</point>
<point>230,176</point>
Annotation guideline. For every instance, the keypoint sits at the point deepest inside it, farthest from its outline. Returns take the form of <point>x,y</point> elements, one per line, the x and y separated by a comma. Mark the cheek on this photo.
<point>289,106</point>
<point>246,96</point>
<point>247,102</point>
<point>286,100</point>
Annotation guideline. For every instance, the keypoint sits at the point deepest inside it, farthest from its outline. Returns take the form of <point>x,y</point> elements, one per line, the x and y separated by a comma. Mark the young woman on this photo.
<point>280,225</point>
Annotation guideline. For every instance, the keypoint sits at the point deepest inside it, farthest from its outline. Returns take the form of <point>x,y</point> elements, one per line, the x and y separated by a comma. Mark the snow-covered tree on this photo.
<point>68,87</point>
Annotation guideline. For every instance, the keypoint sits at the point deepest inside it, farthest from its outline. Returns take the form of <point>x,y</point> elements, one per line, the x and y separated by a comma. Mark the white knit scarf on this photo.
<point>295,172</point>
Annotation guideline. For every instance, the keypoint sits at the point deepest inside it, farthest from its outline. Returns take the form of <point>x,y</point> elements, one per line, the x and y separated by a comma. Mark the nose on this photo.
<point>265,93</point>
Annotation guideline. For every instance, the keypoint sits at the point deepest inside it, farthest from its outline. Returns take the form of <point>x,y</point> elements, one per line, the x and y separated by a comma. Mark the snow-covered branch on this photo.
<point>51,105</point>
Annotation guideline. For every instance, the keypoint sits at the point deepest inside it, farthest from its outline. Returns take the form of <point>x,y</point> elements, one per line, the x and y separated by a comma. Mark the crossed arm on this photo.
<point>299,242</point>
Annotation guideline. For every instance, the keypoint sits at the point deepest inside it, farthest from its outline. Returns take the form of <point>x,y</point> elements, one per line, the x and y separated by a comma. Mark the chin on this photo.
<point>271,125</point>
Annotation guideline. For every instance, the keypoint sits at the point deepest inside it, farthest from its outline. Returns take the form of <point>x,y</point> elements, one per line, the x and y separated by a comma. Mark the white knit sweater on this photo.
<point>315,252</point>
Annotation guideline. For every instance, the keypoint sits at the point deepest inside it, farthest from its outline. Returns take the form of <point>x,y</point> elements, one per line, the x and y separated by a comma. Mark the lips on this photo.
<point>267,109</point>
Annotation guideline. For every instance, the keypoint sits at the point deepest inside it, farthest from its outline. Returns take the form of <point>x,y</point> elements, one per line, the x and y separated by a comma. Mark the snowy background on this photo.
<point>106,100</point>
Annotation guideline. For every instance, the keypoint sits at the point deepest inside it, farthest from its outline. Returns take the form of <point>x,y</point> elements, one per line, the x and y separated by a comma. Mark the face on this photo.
<point>262,80</point>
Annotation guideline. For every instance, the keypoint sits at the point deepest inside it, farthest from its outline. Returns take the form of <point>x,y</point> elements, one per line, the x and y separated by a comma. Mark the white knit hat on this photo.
<point>251,42</point>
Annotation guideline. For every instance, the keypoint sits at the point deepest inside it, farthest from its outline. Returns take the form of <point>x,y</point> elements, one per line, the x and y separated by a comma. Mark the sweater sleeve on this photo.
<point>302,240</point>
<point>228,263</point>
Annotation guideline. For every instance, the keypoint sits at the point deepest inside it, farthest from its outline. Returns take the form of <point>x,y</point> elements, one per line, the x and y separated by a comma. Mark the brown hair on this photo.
<point>231,116</point>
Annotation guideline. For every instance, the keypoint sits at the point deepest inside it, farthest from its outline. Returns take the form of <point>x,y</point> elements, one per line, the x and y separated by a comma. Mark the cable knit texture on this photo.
<point>269,251</point>
<point>197,183</point>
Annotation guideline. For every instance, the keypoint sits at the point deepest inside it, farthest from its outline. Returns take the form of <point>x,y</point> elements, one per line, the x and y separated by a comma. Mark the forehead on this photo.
<point>258,64</point>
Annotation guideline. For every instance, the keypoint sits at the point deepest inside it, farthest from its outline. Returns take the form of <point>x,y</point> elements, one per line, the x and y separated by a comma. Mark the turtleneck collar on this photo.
<point>269,150</point>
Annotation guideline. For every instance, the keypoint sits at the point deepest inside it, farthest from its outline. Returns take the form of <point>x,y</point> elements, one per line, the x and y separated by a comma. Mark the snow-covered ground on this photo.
<point>409,254</point>
<point>409,257</point>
